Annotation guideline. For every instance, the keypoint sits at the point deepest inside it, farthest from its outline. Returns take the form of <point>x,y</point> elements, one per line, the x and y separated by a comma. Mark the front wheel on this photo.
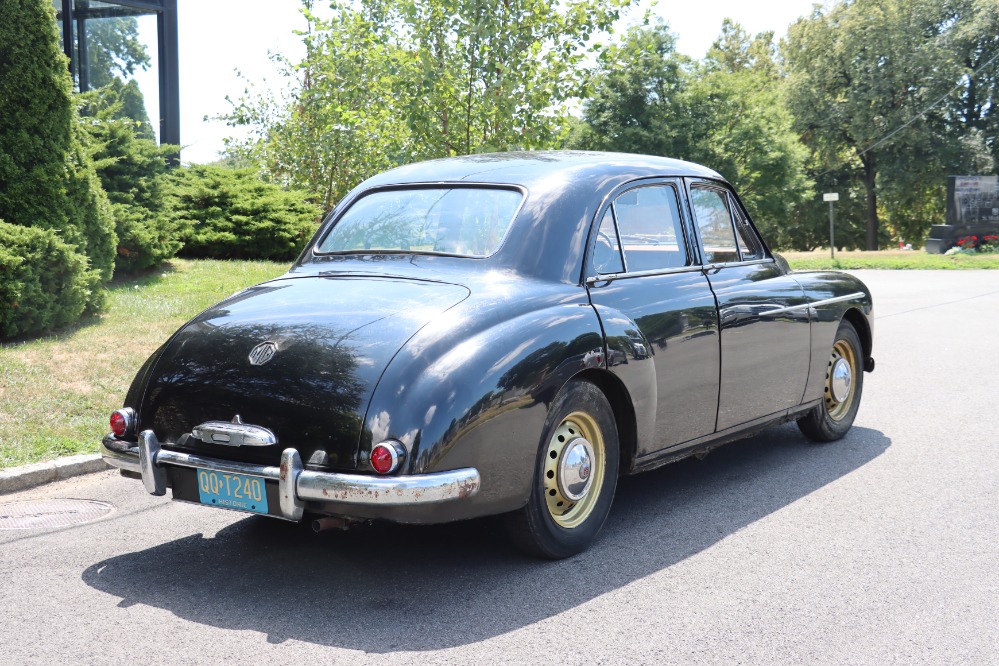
<point>575,476</point>
<point>834,416</point>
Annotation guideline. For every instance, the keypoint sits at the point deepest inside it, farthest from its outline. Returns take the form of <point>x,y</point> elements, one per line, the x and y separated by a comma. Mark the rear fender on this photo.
<point>482,402</point>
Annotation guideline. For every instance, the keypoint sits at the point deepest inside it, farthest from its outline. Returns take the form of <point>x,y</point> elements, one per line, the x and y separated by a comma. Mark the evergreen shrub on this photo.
<point>44,282</point>
<point>132,169</point>
<point>233,215</point>
<point>47,178</point>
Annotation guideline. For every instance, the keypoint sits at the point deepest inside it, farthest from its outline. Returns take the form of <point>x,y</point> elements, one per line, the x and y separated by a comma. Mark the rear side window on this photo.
<point>607,251</point>
<point>649,231</point>
<point>750,246</point>
<point>466,221</point>
<point>714,223</point>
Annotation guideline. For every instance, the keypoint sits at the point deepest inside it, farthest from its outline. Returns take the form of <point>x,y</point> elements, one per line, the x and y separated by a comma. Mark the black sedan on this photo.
<point>497,334</point>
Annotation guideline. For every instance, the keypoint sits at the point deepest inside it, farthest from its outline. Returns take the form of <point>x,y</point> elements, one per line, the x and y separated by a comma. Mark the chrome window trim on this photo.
<point>608,277</point>
<point>816,304</point>
<point>617,236</point>
<point>734,264</point>
<point>692,182</point>
<point>679,193</point>
<point>740,219</point>
<point>726,196</point>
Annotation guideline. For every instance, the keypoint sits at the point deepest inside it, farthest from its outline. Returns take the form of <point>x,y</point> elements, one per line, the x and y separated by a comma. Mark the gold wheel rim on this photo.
<point>563,510</point>
<point>838,409</point>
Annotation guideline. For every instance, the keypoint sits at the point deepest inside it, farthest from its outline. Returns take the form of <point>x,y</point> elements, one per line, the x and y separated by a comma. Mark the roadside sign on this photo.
<point>831,197</point>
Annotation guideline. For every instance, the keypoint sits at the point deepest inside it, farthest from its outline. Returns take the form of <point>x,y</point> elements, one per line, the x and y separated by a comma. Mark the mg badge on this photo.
<point>262,353</point>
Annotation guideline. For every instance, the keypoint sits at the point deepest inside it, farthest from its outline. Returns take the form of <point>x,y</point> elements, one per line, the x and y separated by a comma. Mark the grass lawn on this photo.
<point>889,259</point>
<point>57,392</point>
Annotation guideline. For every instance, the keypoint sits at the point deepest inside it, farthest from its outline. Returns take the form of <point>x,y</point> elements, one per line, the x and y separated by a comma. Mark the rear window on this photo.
<point>464,221</point>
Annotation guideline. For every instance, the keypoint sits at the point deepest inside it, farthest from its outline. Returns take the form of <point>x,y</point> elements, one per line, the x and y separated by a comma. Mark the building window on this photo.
<point>131,45</point>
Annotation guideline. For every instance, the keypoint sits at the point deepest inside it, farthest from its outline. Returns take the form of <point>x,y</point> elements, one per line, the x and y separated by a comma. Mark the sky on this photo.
<point>219,38</point>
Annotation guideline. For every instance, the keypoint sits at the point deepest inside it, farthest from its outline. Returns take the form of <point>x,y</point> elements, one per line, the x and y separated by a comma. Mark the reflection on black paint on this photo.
<point>535,379</point>
<point>309,394</point>
<point>335,337</point>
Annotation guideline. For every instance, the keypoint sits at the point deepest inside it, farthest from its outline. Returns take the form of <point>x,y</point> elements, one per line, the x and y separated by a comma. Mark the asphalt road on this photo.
<point>881,548</point>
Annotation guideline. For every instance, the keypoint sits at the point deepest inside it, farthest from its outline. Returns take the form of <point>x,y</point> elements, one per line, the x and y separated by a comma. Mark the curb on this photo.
<point>29,476</point>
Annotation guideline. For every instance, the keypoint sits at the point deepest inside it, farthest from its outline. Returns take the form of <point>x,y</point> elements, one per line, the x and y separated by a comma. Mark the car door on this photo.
<point>658,313</point>
<point>764,348</point>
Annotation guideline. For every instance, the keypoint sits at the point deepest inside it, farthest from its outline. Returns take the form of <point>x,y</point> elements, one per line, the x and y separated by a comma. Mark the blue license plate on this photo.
<point>232,491</point>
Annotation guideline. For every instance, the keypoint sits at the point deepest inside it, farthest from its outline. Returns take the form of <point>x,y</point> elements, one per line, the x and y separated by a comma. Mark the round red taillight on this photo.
<point>385,457</point>
<point>121,421</point>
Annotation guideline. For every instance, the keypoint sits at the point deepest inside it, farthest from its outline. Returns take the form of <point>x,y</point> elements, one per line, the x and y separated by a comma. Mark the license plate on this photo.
<point>232,491</point>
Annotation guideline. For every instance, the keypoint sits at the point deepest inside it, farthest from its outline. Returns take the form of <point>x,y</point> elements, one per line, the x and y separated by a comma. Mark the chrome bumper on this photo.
<point>296,485</point>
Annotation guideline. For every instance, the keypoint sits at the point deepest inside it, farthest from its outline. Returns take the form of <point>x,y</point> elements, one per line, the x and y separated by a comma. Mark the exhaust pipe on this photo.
<point>330,523</point>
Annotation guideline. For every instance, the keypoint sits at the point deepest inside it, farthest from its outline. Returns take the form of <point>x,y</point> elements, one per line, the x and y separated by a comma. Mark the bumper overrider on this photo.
<point>296,485</point>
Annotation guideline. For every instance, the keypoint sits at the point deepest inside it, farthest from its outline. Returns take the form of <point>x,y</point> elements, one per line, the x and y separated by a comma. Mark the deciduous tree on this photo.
<point>387,82</point>
<point>859,72</point>
<point>727,113</point>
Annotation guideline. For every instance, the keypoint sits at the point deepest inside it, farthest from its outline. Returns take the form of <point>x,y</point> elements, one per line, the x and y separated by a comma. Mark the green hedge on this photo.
<point>44,282</point>
<point>47,177</point>
<point>57,241</point>
<point>132,170</point>
<point>233,215</point>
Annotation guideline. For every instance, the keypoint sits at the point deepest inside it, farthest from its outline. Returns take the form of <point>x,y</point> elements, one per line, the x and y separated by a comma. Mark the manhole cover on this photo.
<point>36,514</point>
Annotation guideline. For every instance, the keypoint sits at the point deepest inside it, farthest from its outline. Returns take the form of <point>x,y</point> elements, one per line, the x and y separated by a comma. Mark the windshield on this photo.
<point>465,221</point>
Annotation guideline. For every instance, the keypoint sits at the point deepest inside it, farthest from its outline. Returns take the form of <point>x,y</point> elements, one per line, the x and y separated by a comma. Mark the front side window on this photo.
<point>465,221</point>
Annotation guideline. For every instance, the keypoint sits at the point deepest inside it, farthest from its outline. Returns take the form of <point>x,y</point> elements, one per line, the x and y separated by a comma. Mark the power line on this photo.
<point>916,117</point>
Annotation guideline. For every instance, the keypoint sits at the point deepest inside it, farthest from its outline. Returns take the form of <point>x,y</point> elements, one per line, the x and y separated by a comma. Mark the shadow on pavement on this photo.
<point>390,587</point>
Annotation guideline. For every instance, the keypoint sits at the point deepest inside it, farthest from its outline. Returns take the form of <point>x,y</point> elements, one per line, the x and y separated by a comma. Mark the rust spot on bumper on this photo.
<point>467,489</point>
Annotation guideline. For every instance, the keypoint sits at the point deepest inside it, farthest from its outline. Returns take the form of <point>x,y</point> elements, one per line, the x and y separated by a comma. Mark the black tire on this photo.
<point>545,527</point>
<point>833,418</point>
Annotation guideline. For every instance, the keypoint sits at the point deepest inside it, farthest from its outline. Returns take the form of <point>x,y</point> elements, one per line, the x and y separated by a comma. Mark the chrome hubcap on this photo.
<point>575,469</point>
<point>840,385</point>
<point>574,464</point>
<point>841,380</point>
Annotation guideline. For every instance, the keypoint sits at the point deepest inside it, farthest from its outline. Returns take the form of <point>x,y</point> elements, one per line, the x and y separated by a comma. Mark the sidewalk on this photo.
<point>29,476</point>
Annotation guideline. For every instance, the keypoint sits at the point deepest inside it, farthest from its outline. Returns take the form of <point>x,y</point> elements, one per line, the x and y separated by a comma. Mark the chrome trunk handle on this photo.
<point>233,434</point>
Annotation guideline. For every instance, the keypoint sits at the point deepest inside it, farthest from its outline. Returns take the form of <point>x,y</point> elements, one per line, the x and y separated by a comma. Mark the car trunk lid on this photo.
<point>299,356</point>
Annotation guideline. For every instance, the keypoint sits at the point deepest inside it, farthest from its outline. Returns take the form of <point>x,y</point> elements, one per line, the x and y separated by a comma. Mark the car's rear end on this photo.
<point>258,404</point>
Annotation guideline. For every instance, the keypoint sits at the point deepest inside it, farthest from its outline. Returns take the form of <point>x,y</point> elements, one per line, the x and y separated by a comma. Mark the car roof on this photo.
<point>564,192</point>
<point>528,168</point>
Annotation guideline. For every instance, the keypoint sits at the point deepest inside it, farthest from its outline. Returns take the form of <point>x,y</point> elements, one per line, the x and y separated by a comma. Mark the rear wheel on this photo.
<point>844,385</point>
<point>575,476</point>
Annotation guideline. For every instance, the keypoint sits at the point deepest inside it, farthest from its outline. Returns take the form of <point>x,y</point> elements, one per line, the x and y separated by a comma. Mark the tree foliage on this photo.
<point>489,76</point>
<point>132,169</point>
<point>876,99</point>
<point>638,96</point>
<point>387,82</point>
<point>973,41</point>
<point>340,121</point>
<point>865,79</point>
<point>727,113</point>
